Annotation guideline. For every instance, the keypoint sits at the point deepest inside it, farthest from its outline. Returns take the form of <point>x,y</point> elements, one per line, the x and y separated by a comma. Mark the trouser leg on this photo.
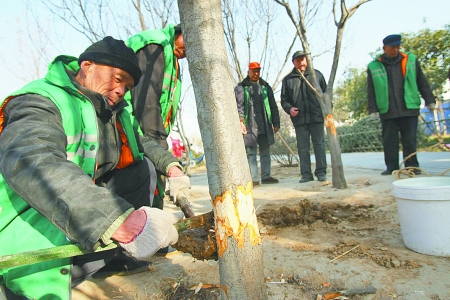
<point>302,134</point>
<point>389,133</point>
<point>135,183</point>
<point>253,164</point>
<point>158,200</point>
<point>87,265</point>
<point>318,141</point>
<point>264,154</point>
<point>408,133</point>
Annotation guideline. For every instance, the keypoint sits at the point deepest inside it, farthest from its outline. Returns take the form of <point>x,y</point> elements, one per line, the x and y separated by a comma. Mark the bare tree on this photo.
<point>96,19</point>
<point>249,33</point>
<point>230,185</point>
<point>325,99</point>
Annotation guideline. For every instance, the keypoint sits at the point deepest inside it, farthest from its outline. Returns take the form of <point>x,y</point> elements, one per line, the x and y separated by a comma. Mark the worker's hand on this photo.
<point>158,232</point>
<point>374,116</point>
<point>175,171</point>
<point>293,111</point>
<point>243,127</point>
<point>431,106</point>
<point>276,128</point>
<point>175,184</point>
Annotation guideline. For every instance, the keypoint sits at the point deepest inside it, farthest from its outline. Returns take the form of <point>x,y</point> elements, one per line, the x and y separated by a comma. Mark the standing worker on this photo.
<point>259,119</point>
<point>300,101</point>
<point>394,81</point>
<point>154,100</point>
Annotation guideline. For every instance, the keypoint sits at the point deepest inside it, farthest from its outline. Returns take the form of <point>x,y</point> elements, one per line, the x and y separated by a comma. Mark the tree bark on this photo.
<point>239,243</point>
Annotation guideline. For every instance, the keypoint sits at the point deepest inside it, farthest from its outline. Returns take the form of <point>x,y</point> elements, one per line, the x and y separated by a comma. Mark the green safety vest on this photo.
<point>266,103</point>
<point>380,82</point>
<point>171,89</point>
<point>22,228</point>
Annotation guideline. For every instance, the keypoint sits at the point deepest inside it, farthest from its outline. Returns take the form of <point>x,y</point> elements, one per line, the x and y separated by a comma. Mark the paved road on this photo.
<point>433,162</point>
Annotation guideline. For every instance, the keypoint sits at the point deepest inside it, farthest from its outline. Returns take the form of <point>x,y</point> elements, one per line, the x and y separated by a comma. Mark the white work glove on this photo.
<point>431,106</point>
<point>174,184</point>
<point>374,116</point>
<point>158,232</point>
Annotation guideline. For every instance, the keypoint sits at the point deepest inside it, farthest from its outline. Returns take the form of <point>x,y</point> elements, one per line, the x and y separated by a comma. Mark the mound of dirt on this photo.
<point>306,213</point>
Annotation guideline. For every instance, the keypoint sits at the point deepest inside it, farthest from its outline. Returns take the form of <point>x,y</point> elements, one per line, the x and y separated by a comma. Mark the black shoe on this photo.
<point>124,267</point>
<point>417,171</point>
<point>387,172</point>
<point>166,251</point>
<point>255,184</point>
<point>322,178</point>
<point>303,180</point>
<point>269,180</point>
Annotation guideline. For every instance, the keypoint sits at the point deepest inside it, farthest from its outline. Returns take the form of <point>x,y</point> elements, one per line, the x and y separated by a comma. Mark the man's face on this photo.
<point>111,82</point>
<point>391,51</point>
<point>179,50</point>
<point>300,63</point>
<point>254,74</point>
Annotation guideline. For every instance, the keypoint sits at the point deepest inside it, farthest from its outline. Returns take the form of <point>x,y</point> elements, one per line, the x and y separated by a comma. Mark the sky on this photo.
<point>363,35</point>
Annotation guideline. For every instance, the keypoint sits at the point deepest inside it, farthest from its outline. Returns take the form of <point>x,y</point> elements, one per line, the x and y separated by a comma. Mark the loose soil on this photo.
<point>317,240</point>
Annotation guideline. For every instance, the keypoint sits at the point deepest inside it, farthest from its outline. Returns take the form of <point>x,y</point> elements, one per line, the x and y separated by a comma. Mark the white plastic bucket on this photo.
<point>424,212</point>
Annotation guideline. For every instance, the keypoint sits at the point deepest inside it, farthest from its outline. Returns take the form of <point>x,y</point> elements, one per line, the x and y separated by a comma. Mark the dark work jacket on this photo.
<point>147,92</point>
<point>295,92</point>
<point>251,138</point>
<point>396,90</point>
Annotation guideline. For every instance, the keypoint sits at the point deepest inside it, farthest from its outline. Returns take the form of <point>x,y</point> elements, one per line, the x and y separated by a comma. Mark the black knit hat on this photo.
<point>114,53</point>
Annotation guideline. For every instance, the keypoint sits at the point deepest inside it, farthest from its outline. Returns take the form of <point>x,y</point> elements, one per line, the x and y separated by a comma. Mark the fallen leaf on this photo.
<point>331,295</point>
<point>198,288</point>
<point>325,284</point>
<point>210,286</point>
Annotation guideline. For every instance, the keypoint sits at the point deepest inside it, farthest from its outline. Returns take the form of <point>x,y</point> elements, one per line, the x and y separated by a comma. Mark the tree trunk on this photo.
<point>239,243</point>
<point>337,168</point>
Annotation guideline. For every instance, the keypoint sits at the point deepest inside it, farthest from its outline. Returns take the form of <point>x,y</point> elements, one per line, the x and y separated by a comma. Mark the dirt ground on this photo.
<point>305,229</point>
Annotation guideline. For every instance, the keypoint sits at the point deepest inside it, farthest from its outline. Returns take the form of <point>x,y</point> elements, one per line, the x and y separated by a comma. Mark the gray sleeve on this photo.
<point>273,107</point>
<point>239,94</point>
<point>424,86</point>
<point>286,101</point>
<point>322,82</point>
<point>147,93</point>
<point>159,156</point>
